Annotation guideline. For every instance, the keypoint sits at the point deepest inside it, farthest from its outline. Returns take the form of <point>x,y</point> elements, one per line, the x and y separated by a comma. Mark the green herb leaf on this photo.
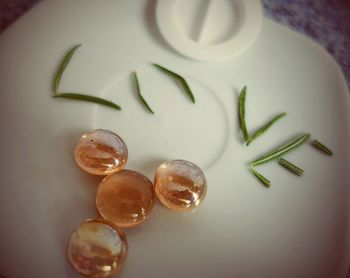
<point>281,150</point>
<point>261,178</point>
<point>291,167</point>
<point>62,67</point>
<point>318,145</point>
<point>139,93</point>
<point>180,79</point>
<point>262,130</point>
<point>241,114</point>
<point>88,98</point>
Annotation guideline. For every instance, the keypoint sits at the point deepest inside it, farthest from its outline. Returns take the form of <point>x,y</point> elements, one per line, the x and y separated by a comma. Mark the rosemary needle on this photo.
<point>281,150</point>
<point>180,79</point>
<point>241,114</point>
<point>262,130</point>
<point>62,67</point>
<point>317,144</point>
<point>291,167</point>
<point>88,98</point>
<point>261,178</point>
<point>138,89</point>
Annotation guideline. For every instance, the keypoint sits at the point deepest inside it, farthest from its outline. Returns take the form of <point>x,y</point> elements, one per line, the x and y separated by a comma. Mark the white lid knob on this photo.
<point>209,30</point>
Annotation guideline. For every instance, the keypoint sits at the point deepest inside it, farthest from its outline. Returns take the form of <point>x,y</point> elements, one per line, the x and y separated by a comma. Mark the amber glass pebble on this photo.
<point>97,248</point>
<point>180,185</point>
<point>126,198</point>
<point>101,152</point>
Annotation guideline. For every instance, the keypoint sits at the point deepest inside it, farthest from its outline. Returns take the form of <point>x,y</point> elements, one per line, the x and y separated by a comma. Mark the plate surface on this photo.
<point>297,228</point>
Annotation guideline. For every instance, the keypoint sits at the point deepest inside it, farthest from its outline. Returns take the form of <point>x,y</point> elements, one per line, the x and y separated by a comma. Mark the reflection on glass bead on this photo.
<point>97,248</point>
<point>126,198</point>
<point>180,185</point>
<point>101,152</point>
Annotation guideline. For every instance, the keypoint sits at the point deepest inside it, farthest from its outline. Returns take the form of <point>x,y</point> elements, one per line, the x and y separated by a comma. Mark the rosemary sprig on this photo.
<point>138,89</point>
<point>318,145</point>
<point>77,96</point>
<point>88,98</point>
<point>291,167</point>
<point>261,178</point>
<point>241,114</point>
<point>180,79</point>
<point>62,67</point>
<point>281,150</point>
<point>262,130</point>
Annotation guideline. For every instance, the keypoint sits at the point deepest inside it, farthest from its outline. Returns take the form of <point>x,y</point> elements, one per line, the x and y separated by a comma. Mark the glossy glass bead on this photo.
<point>125,198</point>
<point>180,185</point>
<point>97,248</point>
<point>101,152</point>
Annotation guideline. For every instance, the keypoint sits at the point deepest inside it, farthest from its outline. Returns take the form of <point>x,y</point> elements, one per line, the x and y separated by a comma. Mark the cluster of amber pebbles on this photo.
<point>124,199</point>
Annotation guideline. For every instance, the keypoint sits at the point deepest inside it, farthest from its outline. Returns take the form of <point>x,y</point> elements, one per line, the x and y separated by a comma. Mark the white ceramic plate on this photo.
<point>297,228</point>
